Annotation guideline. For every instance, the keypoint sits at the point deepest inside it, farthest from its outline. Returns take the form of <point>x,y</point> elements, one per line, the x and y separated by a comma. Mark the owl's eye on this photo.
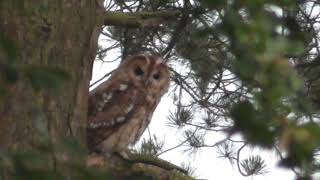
<point>156,76</point>
<point>138,71</point>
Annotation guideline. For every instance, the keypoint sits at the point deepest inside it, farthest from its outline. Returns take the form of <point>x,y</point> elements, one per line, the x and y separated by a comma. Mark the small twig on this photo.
<point>238,161</point>
<point>178,145</point>
<point>106,75</point>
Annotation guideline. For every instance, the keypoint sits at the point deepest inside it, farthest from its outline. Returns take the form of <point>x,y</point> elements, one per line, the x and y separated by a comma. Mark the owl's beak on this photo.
<point>148,82</point>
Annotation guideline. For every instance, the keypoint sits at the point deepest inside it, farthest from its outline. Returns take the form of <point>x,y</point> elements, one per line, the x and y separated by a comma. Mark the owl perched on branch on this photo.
<point>121,108</point>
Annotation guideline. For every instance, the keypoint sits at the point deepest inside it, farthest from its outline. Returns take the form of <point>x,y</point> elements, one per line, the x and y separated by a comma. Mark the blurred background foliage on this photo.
<point>36,164</point>
<point>12,70</point>
<point>248,69</point>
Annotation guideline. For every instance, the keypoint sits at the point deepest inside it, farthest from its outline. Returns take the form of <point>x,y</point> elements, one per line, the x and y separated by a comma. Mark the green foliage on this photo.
<point>8,56</point>
<point>197,49</point>
<point>251,124</point>
<point>227,151</point>
<point>9,74</point>
<point>151,146</point>
<point>252,68</point>
<point>64,160</point>
<point>255,44</point>
<point>260,64</point>
<point>253,165</point>
<point>189,169</point>
<point>13,3</point>
<point>25,7</point>
<point>301,143</point>
<point>242,61</point>
<point>41,77</point>
<point>12,70</point>
<point>180,117</point>
<point>194,140</point>
<point>9,50</point>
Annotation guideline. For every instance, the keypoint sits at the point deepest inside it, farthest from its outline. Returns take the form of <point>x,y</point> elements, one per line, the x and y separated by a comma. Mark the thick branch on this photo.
<point>139,19</point>
<point>139,166</point>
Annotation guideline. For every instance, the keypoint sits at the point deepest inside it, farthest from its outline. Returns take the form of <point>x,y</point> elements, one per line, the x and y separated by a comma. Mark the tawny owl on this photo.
<point>121,108</point>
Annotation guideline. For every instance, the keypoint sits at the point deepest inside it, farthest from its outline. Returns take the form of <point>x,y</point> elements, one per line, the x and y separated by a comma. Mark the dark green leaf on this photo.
<point>44,77</point>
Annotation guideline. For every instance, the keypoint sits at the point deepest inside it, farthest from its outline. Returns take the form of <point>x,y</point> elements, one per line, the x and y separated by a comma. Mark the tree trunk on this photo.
<point>61,34</point>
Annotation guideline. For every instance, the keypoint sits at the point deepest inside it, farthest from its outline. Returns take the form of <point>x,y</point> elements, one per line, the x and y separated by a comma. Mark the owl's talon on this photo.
<point>123,154</point>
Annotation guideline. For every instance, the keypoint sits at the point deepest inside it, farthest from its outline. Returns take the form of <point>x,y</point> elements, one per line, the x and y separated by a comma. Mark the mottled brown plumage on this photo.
<point>121,108</point>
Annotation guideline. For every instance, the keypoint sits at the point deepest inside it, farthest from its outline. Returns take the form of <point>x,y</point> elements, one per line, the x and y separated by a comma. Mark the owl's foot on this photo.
<point>125,154</point>
<point>95,160</point>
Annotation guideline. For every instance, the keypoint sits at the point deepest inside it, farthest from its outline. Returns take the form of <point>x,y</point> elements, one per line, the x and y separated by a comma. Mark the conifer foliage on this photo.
<point>248,70</point>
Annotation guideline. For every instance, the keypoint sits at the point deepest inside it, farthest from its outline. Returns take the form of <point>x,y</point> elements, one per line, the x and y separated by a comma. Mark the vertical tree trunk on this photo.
<point>59,33</point>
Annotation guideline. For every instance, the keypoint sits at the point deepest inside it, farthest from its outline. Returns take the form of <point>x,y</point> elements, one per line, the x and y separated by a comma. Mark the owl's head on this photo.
<point>147,72</point>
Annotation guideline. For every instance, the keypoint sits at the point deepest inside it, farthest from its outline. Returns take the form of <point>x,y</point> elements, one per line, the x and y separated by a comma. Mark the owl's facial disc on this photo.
<point>147,72</point>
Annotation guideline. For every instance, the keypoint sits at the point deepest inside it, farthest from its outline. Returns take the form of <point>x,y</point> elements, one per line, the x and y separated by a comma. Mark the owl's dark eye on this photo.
<point>138,71</point>
<point>156,76</point>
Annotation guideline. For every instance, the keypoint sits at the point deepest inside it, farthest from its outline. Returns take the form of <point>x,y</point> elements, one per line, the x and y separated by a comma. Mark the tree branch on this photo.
<point>139,166</point>
<point>139,19</point>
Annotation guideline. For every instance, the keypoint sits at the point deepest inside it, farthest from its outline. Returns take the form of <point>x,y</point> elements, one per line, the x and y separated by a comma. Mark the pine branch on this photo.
<point>139,19</point>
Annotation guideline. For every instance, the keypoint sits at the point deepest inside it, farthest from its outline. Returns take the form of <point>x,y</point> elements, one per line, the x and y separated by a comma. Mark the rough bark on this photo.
<point>60,34</point>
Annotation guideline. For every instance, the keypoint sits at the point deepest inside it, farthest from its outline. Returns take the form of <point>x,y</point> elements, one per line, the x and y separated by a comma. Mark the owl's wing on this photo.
<point>110,105</point>
<point>144,124</point>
